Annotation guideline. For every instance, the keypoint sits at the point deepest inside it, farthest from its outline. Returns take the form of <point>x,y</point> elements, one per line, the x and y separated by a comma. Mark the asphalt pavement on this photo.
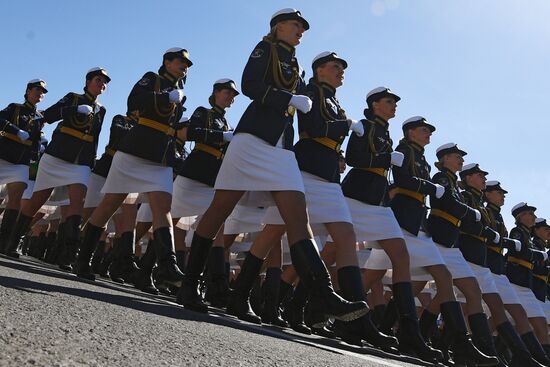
<point>52,318</point>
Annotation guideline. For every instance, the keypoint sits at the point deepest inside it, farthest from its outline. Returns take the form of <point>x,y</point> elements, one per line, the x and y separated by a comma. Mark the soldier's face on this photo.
<point>290,31</point>
<point>224,97</point>
<point>332,73</point>
<point>527,218</point>
<point>453,162</point>
<point>543,232</point>
<point>35,95</point>
<point>385,107</point>
<point>477,181</point>
<point>495,197</point>
<point>177,67</point>
<point>96,85</point>
<point>420,135</point>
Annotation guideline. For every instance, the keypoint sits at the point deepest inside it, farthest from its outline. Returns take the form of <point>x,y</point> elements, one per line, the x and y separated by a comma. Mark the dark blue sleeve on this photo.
<point>255,84</point>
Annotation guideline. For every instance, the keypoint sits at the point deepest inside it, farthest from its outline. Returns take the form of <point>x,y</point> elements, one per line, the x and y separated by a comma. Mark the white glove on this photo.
<point>497,238</point>
<point>545,255</point>
<point>439,191</point>
<point>478,215</point>
<point>227,136</point>
<point>84,109</point>
<point>518,245</point>
<point>23,135</point>
<point>302,103</point>
<point>41,149</point>
<point>397,158</point>
<point>356,127</point>
<point>176,95</point>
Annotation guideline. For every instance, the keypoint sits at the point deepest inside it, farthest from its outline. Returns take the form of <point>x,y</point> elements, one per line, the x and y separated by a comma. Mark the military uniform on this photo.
<point>540,268</point>
<point>193,186</point>
<point>322,132</point>
<point>18,121</point>
<point>412,184</point>
<point>366,185</point>
<point>496,253</point>
<point>264,134</point>
<point>119,128</point>
<point>447,214</point>
<point>143,164</point>
<point>519,268</point>
<point>475,236</point>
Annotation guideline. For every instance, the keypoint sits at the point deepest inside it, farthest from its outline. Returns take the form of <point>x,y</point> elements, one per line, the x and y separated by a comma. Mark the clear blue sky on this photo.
<point>478,70</point>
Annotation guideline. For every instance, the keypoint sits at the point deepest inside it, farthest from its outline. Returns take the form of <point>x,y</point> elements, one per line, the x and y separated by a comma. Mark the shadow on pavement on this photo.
<point>158,305</point>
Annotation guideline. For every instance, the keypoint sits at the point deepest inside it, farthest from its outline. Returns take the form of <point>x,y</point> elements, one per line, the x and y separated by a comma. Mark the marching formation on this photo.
<point>266,228</point>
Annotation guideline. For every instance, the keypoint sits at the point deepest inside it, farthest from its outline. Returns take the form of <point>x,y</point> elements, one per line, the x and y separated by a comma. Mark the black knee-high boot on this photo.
<point>313,272</point>
<point>189,295</point>
<point>53,253</point>
<point>408,332</point>
<point>238,303</point>
<point>123,268</point>
<point>377,314</point>
<point>217,285</point>
<point>271,293</point>
<point>8,221</point>
<point>98,256</point>
<point>428,324</point>
<point>19,230</point>
<point>535,348</point>
<point>521,357</point>
<point>90,241</point>
<point>143,278</point>
<point>103,269</point>
<point>29,245</point>
<point>293,311</point>
<point>42,245</point>
<point>481,334</point>
<point>72,239</point>
<point>351,287</point>
<point>167,271</point>
<point>464,351</point>
<point>389,318</point>
<point>50,244</point>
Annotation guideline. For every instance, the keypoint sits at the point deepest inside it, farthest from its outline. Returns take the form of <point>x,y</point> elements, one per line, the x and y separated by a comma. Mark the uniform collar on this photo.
<point>524,228</point>
<point>380,121</point>
<point>218,109</point>
<point>172,79</point>
<point>477,194</point>
<point>329,90</point>
<point>29,105</point>
<point>494,207</point>
<point>415,146</point>
<point>450,174</point>
<point>90,97</point>
<point>286,47</point>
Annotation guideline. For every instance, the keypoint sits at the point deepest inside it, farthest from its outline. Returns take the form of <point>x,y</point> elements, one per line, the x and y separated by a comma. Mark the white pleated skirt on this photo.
<point>10,172</point>
<point>505,290</point>
<point>422,252</point>
<point>484,278</point>
<point>372,223</point>
<point>253,165</point>
<point>325,204</point>
<point>131,174</point>
<point>456,264</point>
<point>363,256</point>
<point>55,172</point>
<point>546,308</point>
<point>94,194</point>
<point>27,194</point>
<point>244,219</point>
<point>190,197</point>
<point>144,213</point>
<point>529,302</point>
